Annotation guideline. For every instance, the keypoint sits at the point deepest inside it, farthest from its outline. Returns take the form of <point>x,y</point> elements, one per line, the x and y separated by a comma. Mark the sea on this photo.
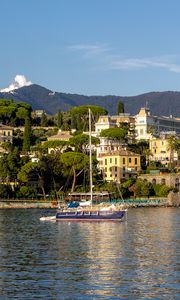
<point>138,258</point>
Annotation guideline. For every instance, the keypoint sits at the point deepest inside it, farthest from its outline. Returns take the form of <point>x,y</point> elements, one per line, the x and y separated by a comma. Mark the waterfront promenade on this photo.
<point>173,200</point>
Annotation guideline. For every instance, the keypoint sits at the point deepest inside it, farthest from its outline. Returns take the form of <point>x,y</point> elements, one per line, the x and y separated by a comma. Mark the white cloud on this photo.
<point>19,81</point>
<point>89,49</point>
<point>114,62</point>
<point>144,63</point>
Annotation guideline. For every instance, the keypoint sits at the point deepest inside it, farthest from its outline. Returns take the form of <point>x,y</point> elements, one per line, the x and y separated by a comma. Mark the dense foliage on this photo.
<point>12,113</point>
<point>67,167</point>
<point>114,133</point>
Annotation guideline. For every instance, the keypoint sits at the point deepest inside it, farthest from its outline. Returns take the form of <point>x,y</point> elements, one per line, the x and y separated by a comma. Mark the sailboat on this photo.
<point>91,214</point>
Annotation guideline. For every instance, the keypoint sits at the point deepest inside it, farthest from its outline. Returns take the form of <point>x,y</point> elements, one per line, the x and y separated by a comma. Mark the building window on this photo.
<point>115,169</point>
<point>135,161</point>
<point>106,161</point>
<point>124,160</point>
<point>129,159</point>
<point>105,169</point>
<point>8,133</point>
<point>141,131</point>
<point>4,133</point>
<point>163,181</point>
<point>110,160</point>
<point>115,161</point>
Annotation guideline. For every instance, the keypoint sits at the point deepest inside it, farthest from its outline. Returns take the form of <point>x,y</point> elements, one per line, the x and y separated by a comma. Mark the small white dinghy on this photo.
<point>50,218</point>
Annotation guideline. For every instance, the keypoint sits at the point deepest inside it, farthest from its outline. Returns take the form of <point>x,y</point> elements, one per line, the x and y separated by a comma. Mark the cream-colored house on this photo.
<point>6,133</point>
<point>118,165</point>
<point>160,150</point>
<point>145,124</point>
<point>106,122</point>
<point>60,136</point>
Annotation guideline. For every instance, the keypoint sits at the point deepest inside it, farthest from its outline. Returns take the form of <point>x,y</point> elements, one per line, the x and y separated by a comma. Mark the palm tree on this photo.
<point>174,145</point>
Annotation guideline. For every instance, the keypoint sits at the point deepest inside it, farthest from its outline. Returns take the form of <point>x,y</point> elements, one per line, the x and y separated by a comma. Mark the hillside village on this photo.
<point>47,156</point>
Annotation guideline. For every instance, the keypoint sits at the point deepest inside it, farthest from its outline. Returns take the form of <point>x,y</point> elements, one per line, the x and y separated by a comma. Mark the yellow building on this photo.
<point>160,150</point>
<point>118,165</point>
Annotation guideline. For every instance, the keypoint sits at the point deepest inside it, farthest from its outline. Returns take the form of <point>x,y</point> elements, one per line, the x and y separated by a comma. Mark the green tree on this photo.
<point>81,142</point>
<point>9,165</point>
<point>26,170</point>
<point>144,188</point>
<point>26,191</point>
<point>161,190</point>
<point>27,135</point>
<point>4,169</point>
<point>74,163</point>
<point>6,112</point>
<point>114,133</point>
<point>22,113</point>
<point>14,113</point>
<point>56,145</point>
<point>5,191</point>
<point>174,145</point>
<point>120,107</point>
<point>49,171</point>
<point>79,116</point>
<point>26,106</point>
<point>6,102</point>
<point>23,173</point>
<point>13,159</point>
<point>59,119</point>
<point>44,120</point>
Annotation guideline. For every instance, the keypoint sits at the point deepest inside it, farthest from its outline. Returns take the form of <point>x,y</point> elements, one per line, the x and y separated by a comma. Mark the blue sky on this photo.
<point>92,47</point>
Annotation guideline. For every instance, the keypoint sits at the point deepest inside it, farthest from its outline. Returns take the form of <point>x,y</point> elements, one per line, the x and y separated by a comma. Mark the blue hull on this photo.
<point>90,216</point>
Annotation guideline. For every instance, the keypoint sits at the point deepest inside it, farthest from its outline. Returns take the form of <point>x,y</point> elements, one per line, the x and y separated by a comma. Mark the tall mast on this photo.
<point>90,157</point>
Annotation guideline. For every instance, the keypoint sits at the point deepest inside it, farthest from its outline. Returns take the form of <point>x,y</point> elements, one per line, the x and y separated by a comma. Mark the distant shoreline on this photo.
<point>127,203</point>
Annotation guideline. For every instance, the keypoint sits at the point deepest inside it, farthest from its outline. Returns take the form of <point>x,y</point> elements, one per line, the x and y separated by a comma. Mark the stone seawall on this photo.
<point>173,200</point>
<point>23,204</point>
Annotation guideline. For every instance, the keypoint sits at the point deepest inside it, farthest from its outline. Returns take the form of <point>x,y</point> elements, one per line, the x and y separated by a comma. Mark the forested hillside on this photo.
<point>160,103</point>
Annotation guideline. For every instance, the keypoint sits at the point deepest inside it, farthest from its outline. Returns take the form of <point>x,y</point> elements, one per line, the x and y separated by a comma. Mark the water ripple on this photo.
<point>136,259</point>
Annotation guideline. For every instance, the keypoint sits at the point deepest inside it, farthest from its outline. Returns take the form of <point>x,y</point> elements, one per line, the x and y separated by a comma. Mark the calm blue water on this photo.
<point>135,259</point>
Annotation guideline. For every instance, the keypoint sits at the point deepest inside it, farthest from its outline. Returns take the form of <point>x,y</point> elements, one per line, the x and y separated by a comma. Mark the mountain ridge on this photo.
<point>160,103</point>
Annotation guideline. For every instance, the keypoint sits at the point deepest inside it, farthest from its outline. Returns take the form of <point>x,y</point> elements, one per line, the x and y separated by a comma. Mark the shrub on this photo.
<point>5,191</point>
<point>161,190</point>
<point>26,191</point>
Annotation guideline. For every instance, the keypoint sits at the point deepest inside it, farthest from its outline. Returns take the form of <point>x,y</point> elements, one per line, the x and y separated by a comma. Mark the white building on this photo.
<point>146,125</point>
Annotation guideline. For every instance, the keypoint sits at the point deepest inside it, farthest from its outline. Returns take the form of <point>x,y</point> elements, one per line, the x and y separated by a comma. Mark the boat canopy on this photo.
<point>97,196</point>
